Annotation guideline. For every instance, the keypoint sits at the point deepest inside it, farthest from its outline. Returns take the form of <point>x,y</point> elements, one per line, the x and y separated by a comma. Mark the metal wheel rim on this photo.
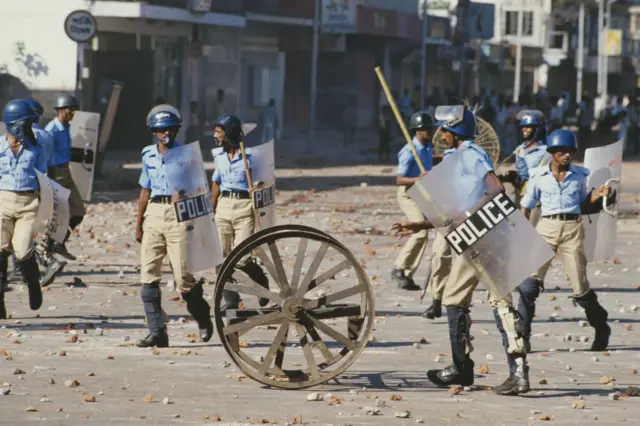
<point>486,138</point>
<point>303,377</point>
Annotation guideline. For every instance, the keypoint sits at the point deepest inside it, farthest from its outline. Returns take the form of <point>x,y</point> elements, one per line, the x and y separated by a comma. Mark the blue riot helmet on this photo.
<point>534,119</point>
<point>164,117</point>
<point>457,119</point>
<point>19,117</point>
<point>35,105</point>
<point>562,138</point>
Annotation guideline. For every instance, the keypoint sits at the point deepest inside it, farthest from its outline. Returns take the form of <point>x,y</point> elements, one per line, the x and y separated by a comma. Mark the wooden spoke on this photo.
<point>254,322</point>
<point>281,337</point>
<point>329,275</point>
<point>339,295</point>
<point>297,268</point>
<point>308,354</point>
<point>320,343</point>
<point>282,276</point>
<point>322,251</point>
<point>336,335</point>
<point>254,290</point>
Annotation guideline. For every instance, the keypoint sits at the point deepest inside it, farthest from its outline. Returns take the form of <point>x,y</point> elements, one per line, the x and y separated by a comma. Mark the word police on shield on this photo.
<point>264,197</point>
<point>194,207</point>
<point>487,217</point>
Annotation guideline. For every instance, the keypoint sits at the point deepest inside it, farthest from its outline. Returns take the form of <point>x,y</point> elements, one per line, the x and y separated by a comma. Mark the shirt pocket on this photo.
<point>550,195</point>
<point>572,194</point>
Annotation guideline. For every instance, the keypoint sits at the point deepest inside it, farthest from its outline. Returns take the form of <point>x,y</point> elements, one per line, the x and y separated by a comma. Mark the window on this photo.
<point>511,23</point>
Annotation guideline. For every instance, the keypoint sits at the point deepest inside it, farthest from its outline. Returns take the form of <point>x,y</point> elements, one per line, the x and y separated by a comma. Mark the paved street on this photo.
<point>93,313</point>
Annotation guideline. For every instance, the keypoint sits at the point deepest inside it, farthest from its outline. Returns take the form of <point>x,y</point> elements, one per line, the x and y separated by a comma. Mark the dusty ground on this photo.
<point>352,201</point>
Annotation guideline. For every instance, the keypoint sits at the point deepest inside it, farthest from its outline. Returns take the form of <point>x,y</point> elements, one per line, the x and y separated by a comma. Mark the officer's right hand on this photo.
<point>139,234</point>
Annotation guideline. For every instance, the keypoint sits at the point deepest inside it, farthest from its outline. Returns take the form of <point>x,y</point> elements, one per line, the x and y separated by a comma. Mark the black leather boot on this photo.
<point>199,310</point>
<point>433,311</point>
<point>4,258</point>
<point>231,300</point>
<point>529,291</point>
<point>518,380</point>
<point>157,336</point>
<point>31,272</point>
<point>597,317</point>
<point>461,371</point>
<point>255,272</point>
<point>52,266</point>
<point>404,282</point>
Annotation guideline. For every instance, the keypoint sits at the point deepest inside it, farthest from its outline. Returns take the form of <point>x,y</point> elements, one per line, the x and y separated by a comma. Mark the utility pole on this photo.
<point>314,77</point>
<point>423,54</point>
<point>605,59</point>
<point>518,70</point>
<point>580,59</point>
<point>600,43</point>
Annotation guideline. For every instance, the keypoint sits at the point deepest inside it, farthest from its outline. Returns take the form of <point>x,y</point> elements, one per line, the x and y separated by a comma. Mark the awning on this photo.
<point>118,9</point>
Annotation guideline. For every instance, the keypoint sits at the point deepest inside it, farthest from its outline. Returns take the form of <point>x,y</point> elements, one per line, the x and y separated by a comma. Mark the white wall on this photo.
<point>48,60</point>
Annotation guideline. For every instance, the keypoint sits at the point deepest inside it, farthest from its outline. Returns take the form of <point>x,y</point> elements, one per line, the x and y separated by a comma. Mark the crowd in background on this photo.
<point>596,120</point>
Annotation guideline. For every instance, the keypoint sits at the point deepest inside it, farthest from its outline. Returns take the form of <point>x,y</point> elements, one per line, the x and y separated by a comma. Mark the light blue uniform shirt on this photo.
<point>62,137</point>
<point>526,161</point>
<point>46,141</point>
<point>18,172</point>
<point>154,171</point>
<point>407,165</point>
<point>469,173</point>
<point>230,174</point>
<point>556,197</point>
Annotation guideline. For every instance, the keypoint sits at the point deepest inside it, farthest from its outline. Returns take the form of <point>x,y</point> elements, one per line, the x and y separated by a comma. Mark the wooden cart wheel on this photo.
<point>486,138</point>
<point>320,314</point>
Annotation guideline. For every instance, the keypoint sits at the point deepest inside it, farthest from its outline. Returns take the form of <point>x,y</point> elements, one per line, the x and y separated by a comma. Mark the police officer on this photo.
<point>20,156</point>
<point>65,106</point>
<point>160,234</point>
<point>531,153</point>
<point>232,202</point>
<point>462,281</point>
<point>562,191</point>
<point>421,126</point>
<point>53,265</point>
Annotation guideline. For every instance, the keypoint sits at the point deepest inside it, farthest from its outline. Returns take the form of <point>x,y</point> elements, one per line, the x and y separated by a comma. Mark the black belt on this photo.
<point>33,191</point>
<point>162,199</point>
<point>240,195</point>
<point>563,216</point>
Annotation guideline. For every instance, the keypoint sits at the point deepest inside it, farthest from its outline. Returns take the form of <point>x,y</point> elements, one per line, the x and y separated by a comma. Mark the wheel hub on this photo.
<point>292,308</point>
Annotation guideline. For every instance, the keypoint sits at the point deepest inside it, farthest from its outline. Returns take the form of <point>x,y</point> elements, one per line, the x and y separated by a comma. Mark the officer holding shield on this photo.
<point>531,153</point>
<point>561,190</point>
<point>53,265</point>
<point>20,157</point>
<point>459,130</point>
<point>232,201</point>
<point>421,126</point>
<point>65,106</point>
<point>160,234</point>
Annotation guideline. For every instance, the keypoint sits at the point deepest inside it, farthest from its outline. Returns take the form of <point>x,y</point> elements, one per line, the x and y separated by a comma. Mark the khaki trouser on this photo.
<point>163,235</point>
<point>236,223</point>
<point>63,177</point>
<point>17,222</point>
<point>461,284</point>
<point>440,266</point>
<point>458,293</point>
<point>409,258</point>
<point>566,238</point>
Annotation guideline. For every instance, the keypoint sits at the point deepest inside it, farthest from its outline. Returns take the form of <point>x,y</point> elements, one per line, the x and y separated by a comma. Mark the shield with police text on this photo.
<point>263,175</point>
<point>468,206</point>
<point>85,127</point>
<point>53,215</point>
<point>192,202</point>
<point>3,128</point>
<point>605,165</point>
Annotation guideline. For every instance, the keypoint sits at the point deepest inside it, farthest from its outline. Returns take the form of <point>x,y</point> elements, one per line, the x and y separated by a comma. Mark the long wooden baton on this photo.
<point>250,182</point>
<point>399,118</point>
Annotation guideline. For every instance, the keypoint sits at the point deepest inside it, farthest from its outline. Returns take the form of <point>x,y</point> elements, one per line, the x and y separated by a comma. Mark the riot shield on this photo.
<point>263,174</point>
<point>84,143</point>
<point>53,215</point>
<point>192,201</point>
<point>3,128</point>
<point>604,163</point>
<point>480,222</point>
